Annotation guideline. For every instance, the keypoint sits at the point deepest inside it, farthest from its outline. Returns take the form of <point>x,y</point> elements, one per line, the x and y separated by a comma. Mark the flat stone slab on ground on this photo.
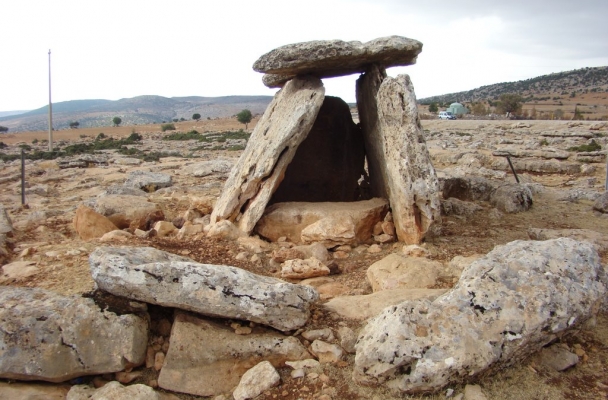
<point>157,277</point>
<point>207,358</point>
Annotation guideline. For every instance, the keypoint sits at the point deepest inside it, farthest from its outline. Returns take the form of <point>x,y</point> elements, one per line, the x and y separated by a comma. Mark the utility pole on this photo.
<point>50,108</point>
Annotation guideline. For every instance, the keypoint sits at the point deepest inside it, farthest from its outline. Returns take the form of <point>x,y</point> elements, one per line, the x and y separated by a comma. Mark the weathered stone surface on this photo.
<point>90,224</point>
<point>219,166</point>
<point>545,153</point>
<point>598,239</point>
<point>512,198</point>
<point>121,236</point>
<point>326,352</point>
<point>127,161</point>
<point>164,228</point>
<point>398,271</point>
<point>467,189</point>
<point>362,307</point>
<point>557,358</point>
<point>115,391</point>
<point>453,206</point>
<point>157,277</point>
<point>330,223</point>
<point>49,337</point>
<point>127,211</point>
<point>206,358</point>
<point>33,391</point>
<point>18,271</point>
<point>601,204</point>
<point>256,380</point>
<point>400,167</point>
<point>348,338</point>
<point>122,190</point>
<point>331,58</point>
<point>473,392</point>
<point>148,181</point>
<point>329,162</point>
<point>270,149</point>
<point>302,269</point>
<point>6,226</point>
<point>506,306</point>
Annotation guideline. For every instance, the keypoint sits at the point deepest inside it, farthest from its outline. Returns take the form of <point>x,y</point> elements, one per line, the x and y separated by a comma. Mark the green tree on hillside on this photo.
<point>577,114</point>
<point>196,116</point>
<point>3,129</point>
<point>478,109</point>
<point>244,117</point>
<point>116,121</point>
<point>509,103</point>
<point>433,107</point>
<point>74,124</point>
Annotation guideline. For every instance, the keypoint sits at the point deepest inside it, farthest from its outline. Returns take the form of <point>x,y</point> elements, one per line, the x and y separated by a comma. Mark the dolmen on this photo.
<point>307,149</point>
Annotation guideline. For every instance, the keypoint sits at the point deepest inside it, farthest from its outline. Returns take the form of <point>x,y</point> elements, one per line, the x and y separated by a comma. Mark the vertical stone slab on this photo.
<point>367,90</point>
<point>272,146</point>
<point>397,155</point>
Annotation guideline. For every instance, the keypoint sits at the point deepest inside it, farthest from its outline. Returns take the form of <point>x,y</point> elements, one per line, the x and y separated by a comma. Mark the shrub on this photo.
<point>167,127</point>
<point>544,142</point>
<point>591,146</point>
<point>193,134</point>
<point>3,145</point>
<point>101,136</point>
<point>134,137</point>
<point>34,141</point>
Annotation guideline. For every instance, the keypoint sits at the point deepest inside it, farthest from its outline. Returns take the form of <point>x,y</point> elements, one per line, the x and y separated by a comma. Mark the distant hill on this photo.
<point>578,81</point>
<point>8,113</point>
<point>133,111</point>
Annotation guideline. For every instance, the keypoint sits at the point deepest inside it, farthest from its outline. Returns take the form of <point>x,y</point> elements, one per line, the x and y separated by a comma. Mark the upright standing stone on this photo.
<point>272,146</point>
<point>398,158</point>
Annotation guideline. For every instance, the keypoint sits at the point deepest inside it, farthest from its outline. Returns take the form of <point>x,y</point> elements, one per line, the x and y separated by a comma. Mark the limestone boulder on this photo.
<point>53,338</point>
<point>512,198</point>
<point>331,58</point>
<point>506,306</point>
<point>33,391</point>
<point>90,224</point>
<point>148,181</point>
<point>271,147</point>
<point>598,239</point>
<point>400,167</point>
<point>302,269</point>
<point>115,391</point>
<point>257,380</point>
<point>158,277</point>
<point>17,271</point>
<point>467,188</point>
<point>601,204</point>
<point>207,359</point>
<point>398,271</point>
<point>330,223</point>
<point>362,307</point>
<point>219,166</point>
<point>127,211</point>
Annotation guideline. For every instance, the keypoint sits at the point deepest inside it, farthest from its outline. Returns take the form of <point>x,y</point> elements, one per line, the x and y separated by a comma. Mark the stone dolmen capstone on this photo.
<point>331,58</point>
<point>157,277</point>
<point>506,306</point>
<point>329,157</point>
<point>54,338</point>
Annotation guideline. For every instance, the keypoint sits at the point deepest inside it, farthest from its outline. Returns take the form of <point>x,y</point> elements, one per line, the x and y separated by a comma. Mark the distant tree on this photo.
<point>533,113</point>
<point>509,103</point>
<point>577,114</point>
<point>558,114</point>
<point>478,109</point>
<point>175,119</point>
<point>196,116</point>
<point>244,117</point>
<point>3,129</point>
<point>167,127</point>
<point>182,119</point>
<point>116,121</point>
<point>433,107</point>
<point>3,145</point>
<point>74,125</point>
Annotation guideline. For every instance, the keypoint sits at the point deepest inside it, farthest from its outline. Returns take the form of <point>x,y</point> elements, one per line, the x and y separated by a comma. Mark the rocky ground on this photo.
<point>564,183</point>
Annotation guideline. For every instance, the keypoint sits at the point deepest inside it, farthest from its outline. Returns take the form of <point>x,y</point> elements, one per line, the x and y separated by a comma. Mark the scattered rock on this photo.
<point>6,226</point>
<point>18,271</point>
<point>557,358</point>
<point>302,269</point>
<point>128,211</point>
<point>397,271</point>
<point>326,352</point>
<point>91,225</point>
<point>164,228</point>
<point>256,380</point>
<point>32,391</point>
<point>322,334</point>
<point>115,391</point>
<point>148,181</point>
<point>219,166</point>
<point>512,198</point>
<point>598,239</point>
<point>601,204</point>
<point>348,339</point>
<point>473,392</point>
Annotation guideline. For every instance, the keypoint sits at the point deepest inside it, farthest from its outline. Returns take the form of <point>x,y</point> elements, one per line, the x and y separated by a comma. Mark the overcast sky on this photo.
<point>119,49</point>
